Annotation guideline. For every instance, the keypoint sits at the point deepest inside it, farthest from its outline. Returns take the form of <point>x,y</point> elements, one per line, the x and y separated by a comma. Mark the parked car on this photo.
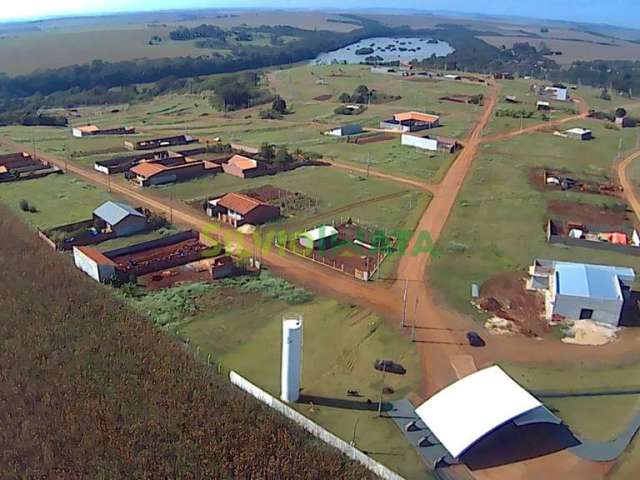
<point>389,366</point>
<point>475,340</point>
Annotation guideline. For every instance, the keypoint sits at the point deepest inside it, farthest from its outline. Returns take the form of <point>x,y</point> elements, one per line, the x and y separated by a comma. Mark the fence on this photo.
<point>313,428</point>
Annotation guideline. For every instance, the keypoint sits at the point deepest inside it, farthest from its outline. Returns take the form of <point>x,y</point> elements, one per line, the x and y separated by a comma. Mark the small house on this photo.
<point>238,209</point>
<point>95,264</point>
<point>346,130</point>
<point>320,238</point>
<point>120,218</point>
<point>411,122</point>
<point>147,174</point>
<point>556,91</point>
<point>582,291</point>
<point>243,167</point>
<point>579,133</point>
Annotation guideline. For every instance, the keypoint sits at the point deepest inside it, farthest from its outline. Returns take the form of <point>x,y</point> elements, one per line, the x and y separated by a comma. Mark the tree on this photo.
<point>361,90</point>
<point>267,151</point>
<point>282,156</point>
<point>604,95</point>
<point>620,112</point>
<point>344,97</point>
<point>279,105</point>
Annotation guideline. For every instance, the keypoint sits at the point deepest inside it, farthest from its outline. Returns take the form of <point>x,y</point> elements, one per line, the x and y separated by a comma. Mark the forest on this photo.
<point>109,396</point>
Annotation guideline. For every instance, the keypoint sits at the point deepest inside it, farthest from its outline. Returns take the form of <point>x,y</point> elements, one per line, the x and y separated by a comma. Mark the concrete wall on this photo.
<point>313,428</point>
<point>420,142</point>
<point>605,311</point>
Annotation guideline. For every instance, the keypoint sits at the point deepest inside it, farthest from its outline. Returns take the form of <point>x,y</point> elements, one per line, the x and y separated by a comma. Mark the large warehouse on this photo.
<point>582,291</point>
<point>487,419</point>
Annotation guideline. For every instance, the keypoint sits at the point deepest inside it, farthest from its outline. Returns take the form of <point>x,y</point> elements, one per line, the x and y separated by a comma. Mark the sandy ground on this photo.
<point>587,332</point>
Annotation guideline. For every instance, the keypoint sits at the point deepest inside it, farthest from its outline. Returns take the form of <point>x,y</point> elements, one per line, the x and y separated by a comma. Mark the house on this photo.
<point>543,106</point>
<point>170,170</point>
<point>556,91</point>
<point>243,167</point>
<point>626,122</point>
<point>120,218</point>
<point>437,144</point>
<point>321,238</point>
<point>161,142</point>
<point>95,264</point>
<point>484,411</point>
<point>581,291</point>
<point>579,133</point>
<point>411,122</point>
<point>238,209</point>
<point>92,130</point>
<point>345,130</point>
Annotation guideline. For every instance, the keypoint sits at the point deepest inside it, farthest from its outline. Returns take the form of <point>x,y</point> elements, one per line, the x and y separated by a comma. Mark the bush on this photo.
<point>24,205</point>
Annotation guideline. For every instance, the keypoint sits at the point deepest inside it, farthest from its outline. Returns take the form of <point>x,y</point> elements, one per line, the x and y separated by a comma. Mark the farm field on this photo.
<point>62,42</point>
<point>499,198</point>
<point>237,323</point>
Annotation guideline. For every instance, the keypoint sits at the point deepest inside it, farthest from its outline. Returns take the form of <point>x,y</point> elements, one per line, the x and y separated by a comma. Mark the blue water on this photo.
<point>387,48</point>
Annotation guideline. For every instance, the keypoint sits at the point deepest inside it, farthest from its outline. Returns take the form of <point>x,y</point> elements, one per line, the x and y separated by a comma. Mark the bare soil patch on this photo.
<point>588,214</point>
<point>323,98</point>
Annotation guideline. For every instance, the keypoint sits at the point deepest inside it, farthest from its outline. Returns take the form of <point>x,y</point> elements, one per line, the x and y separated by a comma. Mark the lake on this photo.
<point>387,48</point>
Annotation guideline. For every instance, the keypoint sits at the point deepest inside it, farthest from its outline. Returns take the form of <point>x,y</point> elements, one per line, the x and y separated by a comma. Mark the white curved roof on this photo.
<point>472,407</point>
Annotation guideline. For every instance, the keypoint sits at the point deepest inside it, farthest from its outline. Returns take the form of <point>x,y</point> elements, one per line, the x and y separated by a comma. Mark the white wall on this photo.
<point>605,311</point>
<point>100,273</point>
<point>420,142</point>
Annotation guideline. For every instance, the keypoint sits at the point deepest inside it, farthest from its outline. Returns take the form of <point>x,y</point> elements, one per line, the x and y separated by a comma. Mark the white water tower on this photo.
<point>291,373</point>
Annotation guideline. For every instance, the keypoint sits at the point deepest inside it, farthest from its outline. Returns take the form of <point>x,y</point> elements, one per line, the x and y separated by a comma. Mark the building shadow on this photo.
<point>630,316</point>
<point>364,405</point>
<point>511,443</point>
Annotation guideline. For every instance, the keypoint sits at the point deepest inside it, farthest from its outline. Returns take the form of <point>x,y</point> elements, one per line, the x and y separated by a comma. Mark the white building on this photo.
<point>557,92</point>
<point>579,133</point>
<point>425,143</point>
<point>291,368</point>
<point>581,291</point>
<point>345,130</point>
<point>94,263</point>
<point>463,414</point>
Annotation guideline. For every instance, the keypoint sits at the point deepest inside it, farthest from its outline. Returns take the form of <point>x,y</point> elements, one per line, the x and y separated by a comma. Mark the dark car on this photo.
<point>475,340</point>
<point>389,366</point>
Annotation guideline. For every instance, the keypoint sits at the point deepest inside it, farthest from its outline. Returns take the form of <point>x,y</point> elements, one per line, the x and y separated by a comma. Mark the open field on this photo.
<point>498,222</point>
<point>238,324</point>
<point>574,50</point>
<point>578,412</point>
<point>63,42</point>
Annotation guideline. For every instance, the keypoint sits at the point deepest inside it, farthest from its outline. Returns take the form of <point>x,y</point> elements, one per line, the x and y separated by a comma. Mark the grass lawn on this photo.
<point>498,222</point>
<point>59,199</point>
<point>579,412</point>
<point>238,323</point>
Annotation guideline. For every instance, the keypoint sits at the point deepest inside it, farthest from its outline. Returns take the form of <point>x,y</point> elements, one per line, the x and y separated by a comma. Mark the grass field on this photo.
<point>238,324</point>
<point>498,222</point>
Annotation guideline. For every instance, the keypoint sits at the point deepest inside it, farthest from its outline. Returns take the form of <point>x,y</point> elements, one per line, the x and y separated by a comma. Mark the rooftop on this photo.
<point>474,406</point>
<point>239,202</point>
<point>591,281</point>
<point>578,131</point>
<point>148,169</point>
<point>416,116</point>
<point>323,231</point>
<point>242,162</point>
<point>114,212</point>
<point>87,128</point>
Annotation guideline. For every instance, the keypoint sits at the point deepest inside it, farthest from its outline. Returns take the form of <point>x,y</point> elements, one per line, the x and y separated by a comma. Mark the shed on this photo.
<point>545,106</point>
<point>579,133</point>
<point>320,238</point>
<point>425,143</point>
<point>474,407</point>
<point>243,167</point>
<point>344,130</point>
<point>120,218</point>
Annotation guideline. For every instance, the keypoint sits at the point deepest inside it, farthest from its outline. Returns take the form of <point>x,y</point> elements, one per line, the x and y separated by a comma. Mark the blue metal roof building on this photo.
<point>121,218</point>
<point>587,291</point>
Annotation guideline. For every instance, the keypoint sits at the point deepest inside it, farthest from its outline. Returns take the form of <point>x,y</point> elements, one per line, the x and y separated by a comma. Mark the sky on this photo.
<point>615,12</point>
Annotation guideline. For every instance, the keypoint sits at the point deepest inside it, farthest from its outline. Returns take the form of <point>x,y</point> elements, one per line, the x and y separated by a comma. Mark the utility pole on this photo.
<point>355,428</point>
<point>415,320</point>
<point>384,369</point>
<point>404,303</point>
<point>108,183</point>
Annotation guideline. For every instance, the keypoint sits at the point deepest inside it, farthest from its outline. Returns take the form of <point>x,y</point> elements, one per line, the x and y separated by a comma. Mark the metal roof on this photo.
<point>324,231</point>
<point>114,212</point>
<point>474,406</point>
<point>591,281</point>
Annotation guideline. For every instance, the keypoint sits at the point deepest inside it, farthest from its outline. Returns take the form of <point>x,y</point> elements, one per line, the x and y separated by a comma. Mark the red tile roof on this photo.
<point>239,202</point>
<point>242,162</point>
<point>416,116</point>
<point>96,256</point>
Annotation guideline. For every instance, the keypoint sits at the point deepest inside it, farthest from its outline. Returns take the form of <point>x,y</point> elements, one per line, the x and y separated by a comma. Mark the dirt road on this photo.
<point>630,191</point>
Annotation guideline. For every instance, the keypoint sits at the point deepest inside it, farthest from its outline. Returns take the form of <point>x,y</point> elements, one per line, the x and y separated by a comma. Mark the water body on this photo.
<point>389,49</point>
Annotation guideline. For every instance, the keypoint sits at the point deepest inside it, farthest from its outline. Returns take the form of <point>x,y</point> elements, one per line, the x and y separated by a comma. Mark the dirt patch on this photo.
<point>588,332</point>
<point>563,180</point>
<point>588,214</point>
<point>323,98</point>
<point>184,274</point>
<point>506,297</point>
<point>269,193</point>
